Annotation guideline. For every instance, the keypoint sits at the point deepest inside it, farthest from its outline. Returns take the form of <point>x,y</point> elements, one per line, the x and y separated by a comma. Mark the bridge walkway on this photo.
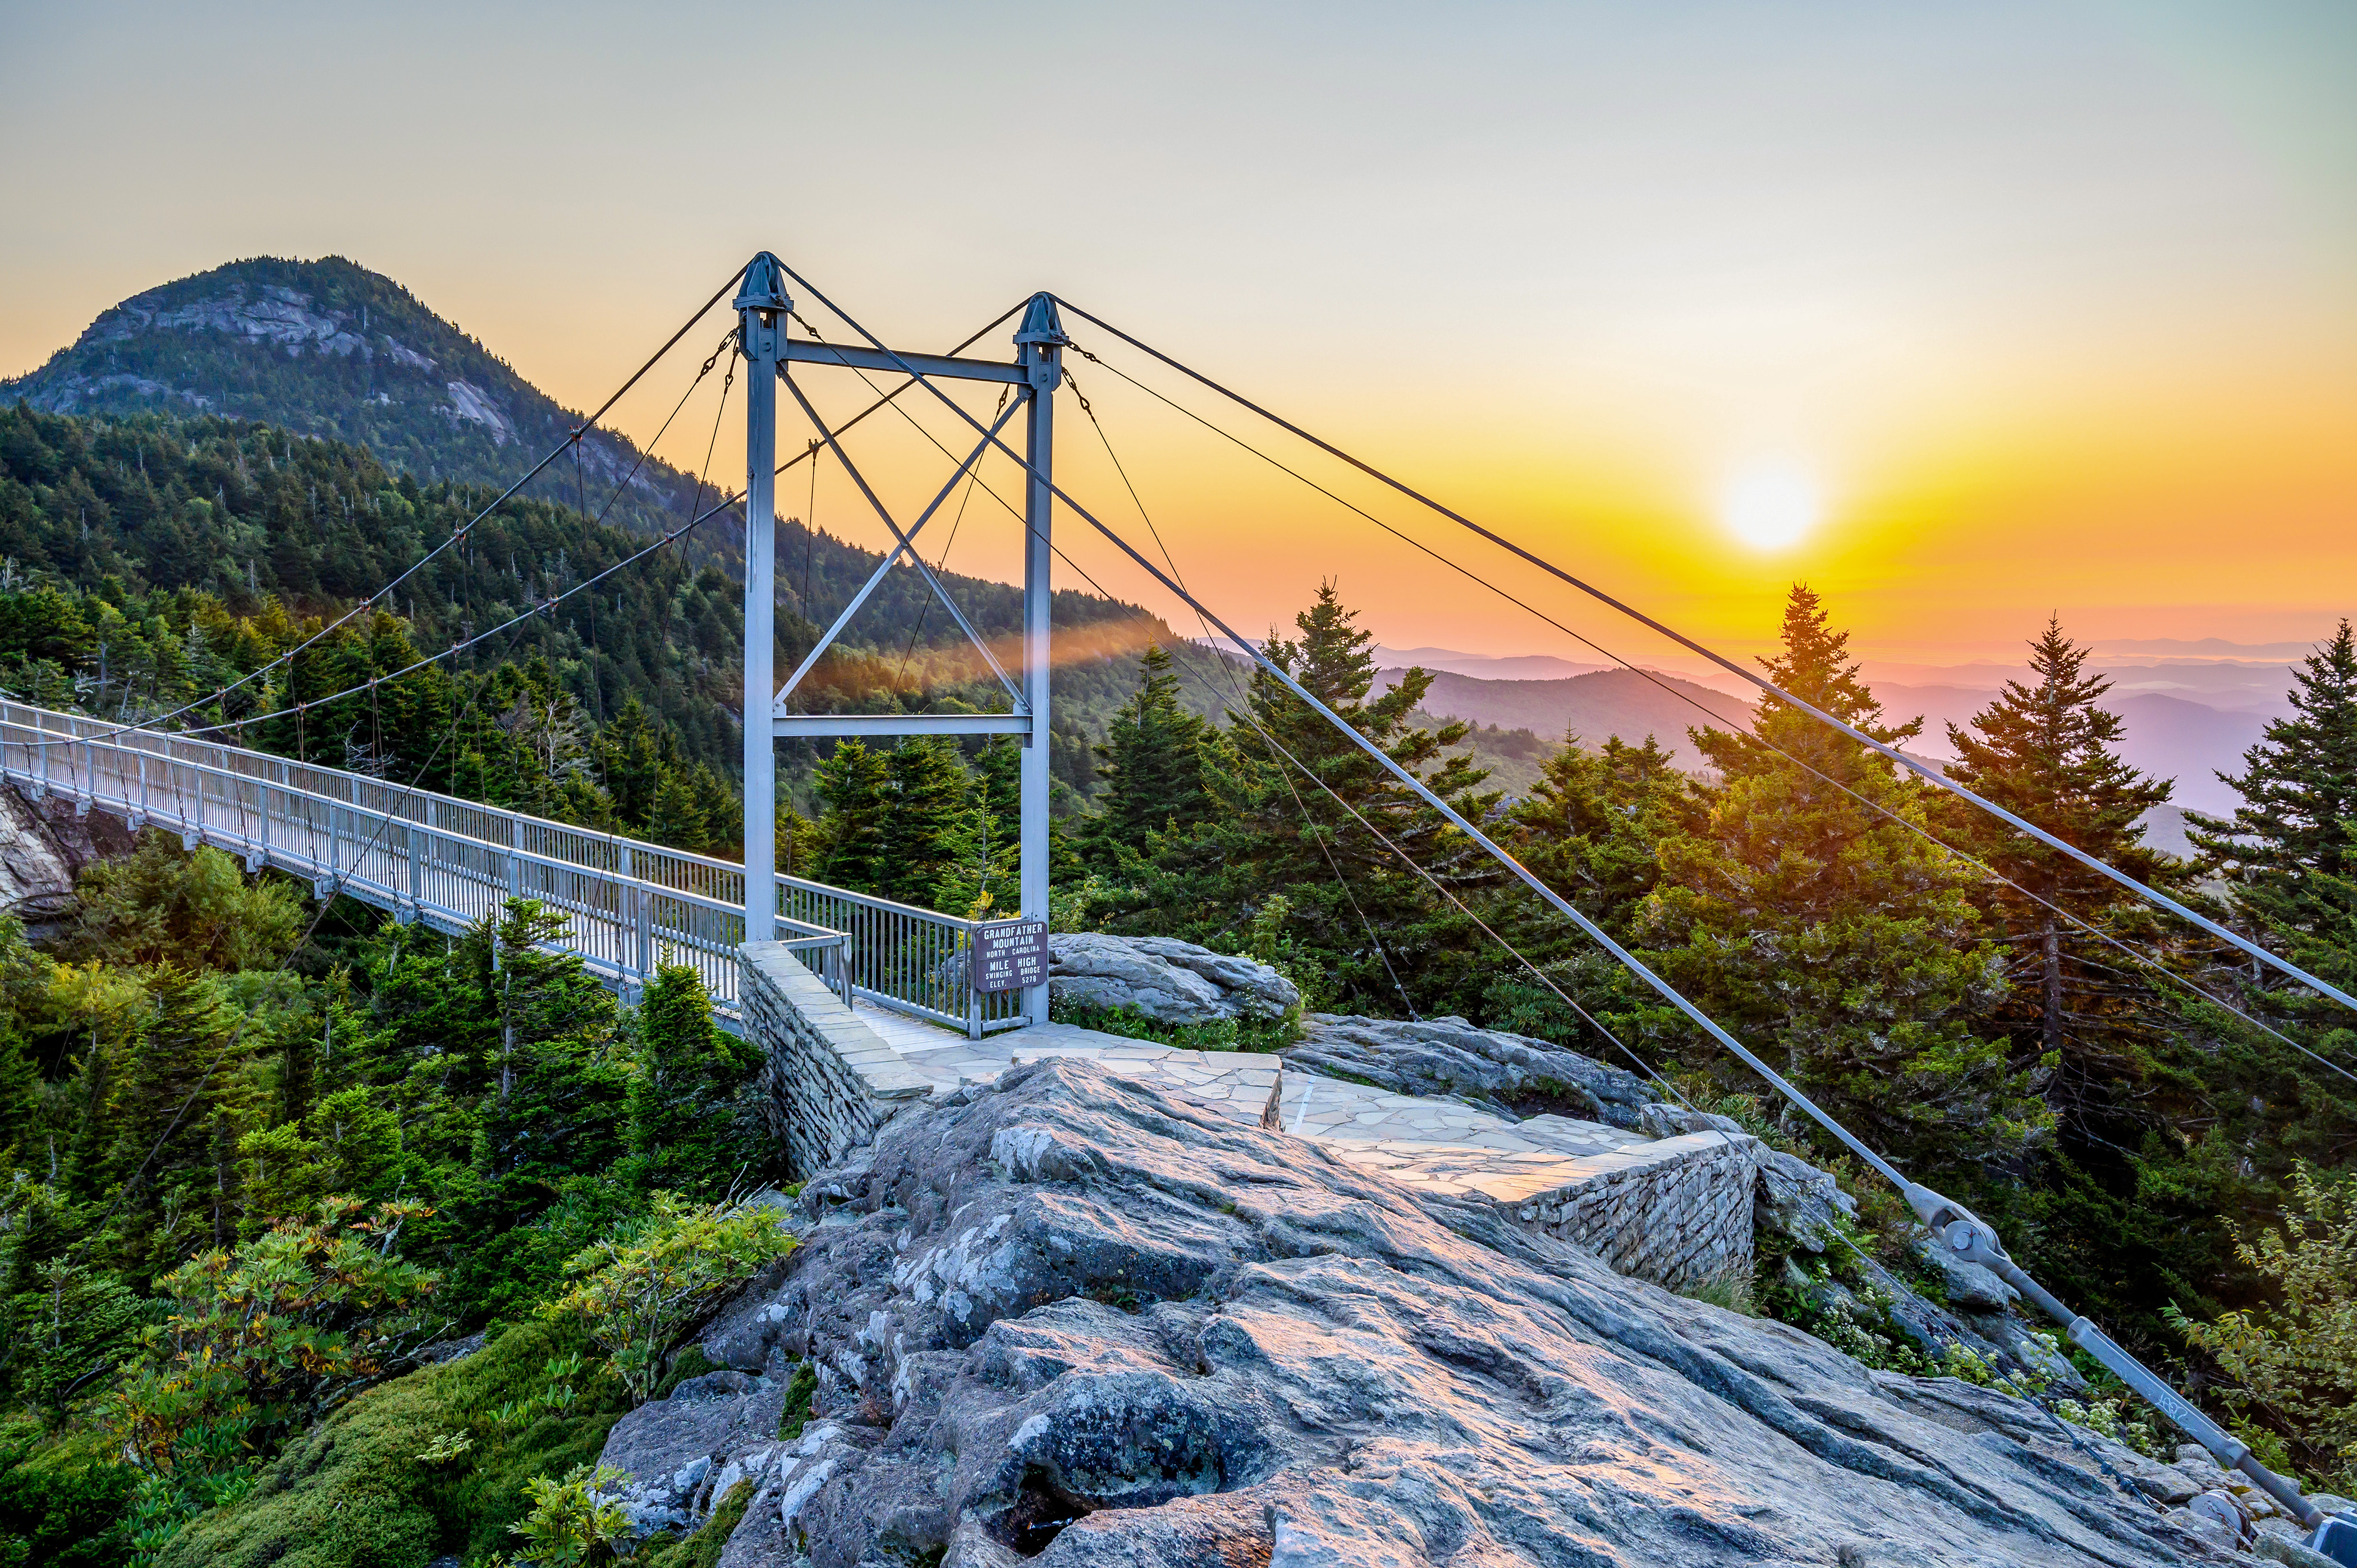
<point>450,864</point>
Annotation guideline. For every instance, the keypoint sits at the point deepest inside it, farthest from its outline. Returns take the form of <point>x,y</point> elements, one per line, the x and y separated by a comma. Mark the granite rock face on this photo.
<point>44,846</point>
<point>1511,1076</point>
<point>1072,1320</point>
<point>1166,980</point>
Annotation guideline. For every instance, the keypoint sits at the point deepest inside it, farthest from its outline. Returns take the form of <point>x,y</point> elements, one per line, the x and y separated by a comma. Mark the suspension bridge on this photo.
<point>450,864</point>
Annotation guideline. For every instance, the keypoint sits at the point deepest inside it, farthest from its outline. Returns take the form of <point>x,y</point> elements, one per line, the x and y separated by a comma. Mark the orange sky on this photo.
<point>2052,304</point>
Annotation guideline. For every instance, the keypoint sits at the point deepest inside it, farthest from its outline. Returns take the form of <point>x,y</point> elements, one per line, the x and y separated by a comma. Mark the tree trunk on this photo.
<point>2053,953</point>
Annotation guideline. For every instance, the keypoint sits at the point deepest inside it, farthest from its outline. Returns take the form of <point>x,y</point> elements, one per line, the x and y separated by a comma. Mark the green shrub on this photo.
<point>1266,1034</point>
<point>2293,1363</point>
<point>63,1504</point>
<point>353,1492</point>
<point>577,1522</point>
<point>639,1297</point>
<point>260,1342</point>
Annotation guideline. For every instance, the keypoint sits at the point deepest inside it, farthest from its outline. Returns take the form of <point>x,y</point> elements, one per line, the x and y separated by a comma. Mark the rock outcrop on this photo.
<point>44,846</point>
<point>1071,1319</point>
<point>1508,1074</point>
<point>1166,980</point>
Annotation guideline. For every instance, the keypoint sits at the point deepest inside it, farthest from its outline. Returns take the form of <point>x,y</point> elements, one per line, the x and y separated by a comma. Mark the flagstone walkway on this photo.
<point>1434,1145</point>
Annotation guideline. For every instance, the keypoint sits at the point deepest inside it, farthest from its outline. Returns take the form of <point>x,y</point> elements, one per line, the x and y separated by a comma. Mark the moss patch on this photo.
<point>703,1549</point>
<point>354,1492</point>
<point>691,1362</point>
<point>798,1390</point>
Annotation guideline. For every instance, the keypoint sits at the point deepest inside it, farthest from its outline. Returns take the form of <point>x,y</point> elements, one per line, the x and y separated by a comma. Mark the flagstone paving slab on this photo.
<point>1440,1145</point>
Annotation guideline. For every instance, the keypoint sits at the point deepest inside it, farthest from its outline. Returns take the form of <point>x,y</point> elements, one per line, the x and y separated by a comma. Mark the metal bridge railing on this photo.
<point>449,863</point>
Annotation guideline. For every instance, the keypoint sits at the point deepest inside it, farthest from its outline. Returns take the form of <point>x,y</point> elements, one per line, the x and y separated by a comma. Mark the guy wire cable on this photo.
<point>1243,712</point>
<point>1654,679</point>
<point>1299,805</point>
<point>1977,1238</point>
<point>1253,655</point>
<point>1924,769</point>
<point>1005,505</point>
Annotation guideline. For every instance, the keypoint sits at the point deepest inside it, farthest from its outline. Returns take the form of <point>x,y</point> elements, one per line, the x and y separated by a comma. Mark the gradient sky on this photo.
<point>2055,303</point>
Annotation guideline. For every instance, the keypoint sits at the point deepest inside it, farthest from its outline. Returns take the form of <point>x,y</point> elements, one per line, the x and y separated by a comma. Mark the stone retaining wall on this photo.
<point>828,1082</point>
<point>1676,1212</point>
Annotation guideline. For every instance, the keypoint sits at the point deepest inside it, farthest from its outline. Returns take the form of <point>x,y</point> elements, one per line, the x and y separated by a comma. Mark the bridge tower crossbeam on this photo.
<point>765,309</point>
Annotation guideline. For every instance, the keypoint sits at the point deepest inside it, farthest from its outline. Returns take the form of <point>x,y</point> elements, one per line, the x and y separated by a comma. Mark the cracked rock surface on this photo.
<point>1511,1076</point>
<point>1070,1319</point>
<point>1166,980</point>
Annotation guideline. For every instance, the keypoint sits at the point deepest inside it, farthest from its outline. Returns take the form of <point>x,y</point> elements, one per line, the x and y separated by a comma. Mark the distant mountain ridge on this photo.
<point>1595,706</point>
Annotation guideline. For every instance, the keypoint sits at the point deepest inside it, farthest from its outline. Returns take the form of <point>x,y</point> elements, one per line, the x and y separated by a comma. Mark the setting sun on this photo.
<point>1770,506</point>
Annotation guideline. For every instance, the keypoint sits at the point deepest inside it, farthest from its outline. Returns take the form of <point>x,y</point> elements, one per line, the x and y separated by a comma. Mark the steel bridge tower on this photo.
<point>764,310</point>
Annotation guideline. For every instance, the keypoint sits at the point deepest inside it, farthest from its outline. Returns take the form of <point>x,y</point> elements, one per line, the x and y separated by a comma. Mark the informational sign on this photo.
<point>1010,955</point>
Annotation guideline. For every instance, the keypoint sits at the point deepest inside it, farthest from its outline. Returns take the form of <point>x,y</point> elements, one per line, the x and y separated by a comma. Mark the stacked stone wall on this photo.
<point>1676,1212</point>
<point>828,1083</point>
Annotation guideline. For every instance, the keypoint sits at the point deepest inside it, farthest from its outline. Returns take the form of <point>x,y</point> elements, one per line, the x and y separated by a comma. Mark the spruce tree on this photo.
<point>676,814</point>
<point>2045,751</point>
<point>1151,767</point>
<point>169,1107</point>
<point>2290,848</point>
<point>850,784</point>
<point>1390,943</point>
<point>1837,944</point>
<point>928,789</point>
<point>1590,826</point>
<point>683,1124</point>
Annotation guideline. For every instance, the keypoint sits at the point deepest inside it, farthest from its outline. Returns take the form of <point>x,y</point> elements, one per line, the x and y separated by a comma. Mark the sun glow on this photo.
<point>1770,506</point>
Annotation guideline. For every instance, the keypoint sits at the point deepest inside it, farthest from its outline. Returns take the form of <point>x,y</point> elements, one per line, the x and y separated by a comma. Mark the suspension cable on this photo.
<point>1383,760</point>
<point>1965,1233</point>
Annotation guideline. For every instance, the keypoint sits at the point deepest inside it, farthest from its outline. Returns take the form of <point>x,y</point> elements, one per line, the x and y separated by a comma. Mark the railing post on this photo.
<point>973,996</point>
<point>416,869</point>
<point>646,927</point>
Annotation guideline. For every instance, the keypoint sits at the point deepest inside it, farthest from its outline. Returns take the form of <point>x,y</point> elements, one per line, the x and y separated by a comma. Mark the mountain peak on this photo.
<point>329,349</point>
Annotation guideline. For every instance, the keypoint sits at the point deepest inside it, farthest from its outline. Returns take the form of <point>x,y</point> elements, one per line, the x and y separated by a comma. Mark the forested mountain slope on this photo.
<point>330,350</point>
<point>151,560</point>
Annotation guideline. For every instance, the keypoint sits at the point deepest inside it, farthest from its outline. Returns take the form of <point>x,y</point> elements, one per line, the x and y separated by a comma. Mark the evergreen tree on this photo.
<point>170,1105</point>
<point>851,785</point>
<point>981,856</point>
<point>684,1129</point>
<point>1151,769</point>
<point>1590,826</point>
<point>1835,942</point>
<point>2044,751</point>
<point>676,814</point>
<point>2290,848</point>
<point>1353,908</point>
<point>927,789</point>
